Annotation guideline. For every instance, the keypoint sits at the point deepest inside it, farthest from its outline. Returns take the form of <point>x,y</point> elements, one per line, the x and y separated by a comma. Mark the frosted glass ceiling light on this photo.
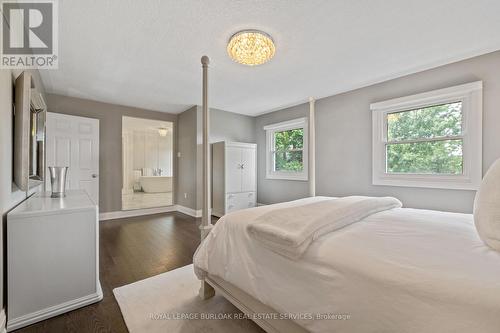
<point>251,47</point>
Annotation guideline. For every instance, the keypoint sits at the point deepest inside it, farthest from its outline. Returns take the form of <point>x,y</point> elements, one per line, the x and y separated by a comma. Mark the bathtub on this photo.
<point>156,184</point>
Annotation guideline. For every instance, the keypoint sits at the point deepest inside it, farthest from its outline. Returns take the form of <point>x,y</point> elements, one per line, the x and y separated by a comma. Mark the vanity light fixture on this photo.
<point>162,131</point>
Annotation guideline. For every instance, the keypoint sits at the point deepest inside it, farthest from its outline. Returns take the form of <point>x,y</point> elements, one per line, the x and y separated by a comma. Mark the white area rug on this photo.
<point>162,303</point>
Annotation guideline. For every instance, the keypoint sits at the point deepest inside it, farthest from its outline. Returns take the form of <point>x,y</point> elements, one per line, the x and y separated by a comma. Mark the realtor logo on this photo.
<point>29,34</point>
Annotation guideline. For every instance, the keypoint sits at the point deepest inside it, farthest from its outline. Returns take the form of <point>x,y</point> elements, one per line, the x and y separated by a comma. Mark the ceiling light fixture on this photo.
<point>251,47</point>
<point>162,131</point>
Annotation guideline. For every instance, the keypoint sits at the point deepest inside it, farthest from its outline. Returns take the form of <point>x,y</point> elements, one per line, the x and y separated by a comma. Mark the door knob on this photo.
<point>94,175</point>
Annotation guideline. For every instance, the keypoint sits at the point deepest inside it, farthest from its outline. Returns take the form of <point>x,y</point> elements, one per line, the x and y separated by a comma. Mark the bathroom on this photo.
<point>147,163</point>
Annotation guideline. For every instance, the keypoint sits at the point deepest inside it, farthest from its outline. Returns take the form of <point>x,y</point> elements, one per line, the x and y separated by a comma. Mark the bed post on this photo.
<point>312,148</point>
<point>206,290</point>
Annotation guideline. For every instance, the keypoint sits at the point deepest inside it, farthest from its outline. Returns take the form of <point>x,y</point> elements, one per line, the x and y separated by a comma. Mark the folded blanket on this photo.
<point>290,231</point>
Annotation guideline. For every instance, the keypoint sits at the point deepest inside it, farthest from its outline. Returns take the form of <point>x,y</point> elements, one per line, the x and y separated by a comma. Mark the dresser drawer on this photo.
<point>237,201</point>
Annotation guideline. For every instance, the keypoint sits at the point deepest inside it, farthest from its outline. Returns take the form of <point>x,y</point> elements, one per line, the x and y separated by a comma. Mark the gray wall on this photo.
<point>223,126</point>
<point>277,190</point>
<point>10,195</point>
<point>228,126</point>
<point>186,163</point>
<point>344,129</point>
<point>110,140</point>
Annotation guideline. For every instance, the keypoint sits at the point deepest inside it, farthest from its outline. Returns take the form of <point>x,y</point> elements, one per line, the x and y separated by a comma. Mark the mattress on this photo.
<point>401,270</point>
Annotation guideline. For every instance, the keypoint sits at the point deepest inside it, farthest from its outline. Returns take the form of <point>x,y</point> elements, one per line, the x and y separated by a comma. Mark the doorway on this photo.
<point>147,147</point>
<point>74,142</point>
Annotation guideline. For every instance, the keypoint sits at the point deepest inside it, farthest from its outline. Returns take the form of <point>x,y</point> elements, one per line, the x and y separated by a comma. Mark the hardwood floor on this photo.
<point>131,249</point>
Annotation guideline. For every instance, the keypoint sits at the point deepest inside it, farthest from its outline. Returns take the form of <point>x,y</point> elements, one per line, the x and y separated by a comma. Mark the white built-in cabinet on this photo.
<point>52,257</point>
<point>234,176</point>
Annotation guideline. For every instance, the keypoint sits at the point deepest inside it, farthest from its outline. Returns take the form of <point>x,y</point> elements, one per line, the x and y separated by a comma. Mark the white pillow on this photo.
<point>487,207</point>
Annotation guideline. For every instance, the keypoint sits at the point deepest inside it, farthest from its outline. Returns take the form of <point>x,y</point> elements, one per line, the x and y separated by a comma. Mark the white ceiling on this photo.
<point>147,53</point>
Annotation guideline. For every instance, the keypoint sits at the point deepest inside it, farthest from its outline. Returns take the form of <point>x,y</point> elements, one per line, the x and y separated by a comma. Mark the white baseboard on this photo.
<point>149,211</point>
<point>190,211</point>
<point>3,321</point>
<point>136,212</point>
<point>52,311</point>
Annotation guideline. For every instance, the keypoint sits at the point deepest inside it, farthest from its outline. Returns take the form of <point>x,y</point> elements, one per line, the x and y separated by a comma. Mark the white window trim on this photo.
<point>471,96</point>
<point>283,126</point>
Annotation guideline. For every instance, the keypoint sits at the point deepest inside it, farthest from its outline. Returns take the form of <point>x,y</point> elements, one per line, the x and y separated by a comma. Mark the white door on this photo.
<point>74,142</point>
<point>248,168</point>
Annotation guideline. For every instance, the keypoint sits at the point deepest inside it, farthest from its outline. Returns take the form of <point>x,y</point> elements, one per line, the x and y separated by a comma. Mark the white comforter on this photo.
<point>402,270</point>
<point>289,231</point>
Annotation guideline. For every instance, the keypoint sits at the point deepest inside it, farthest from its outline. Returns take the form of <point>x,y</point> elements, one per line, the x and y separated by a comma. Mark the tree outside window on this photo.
<point>287,150</point>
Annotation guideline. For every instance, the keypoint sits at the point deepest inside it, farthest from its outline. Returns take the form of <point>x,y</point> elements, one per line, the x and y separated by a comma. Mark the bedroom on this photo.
<point>377,104</point>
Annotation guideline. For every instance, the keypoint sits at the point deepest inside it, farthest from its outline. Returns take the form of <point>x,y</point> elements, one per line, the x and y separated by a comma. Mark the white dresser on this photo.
<point>52,257</point>
<point>234,176</point>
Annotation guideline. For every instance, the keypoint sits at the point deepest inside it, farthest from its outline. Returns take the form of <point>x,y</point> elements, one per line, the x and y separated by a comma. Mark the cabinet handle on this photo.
<point>242,166</point>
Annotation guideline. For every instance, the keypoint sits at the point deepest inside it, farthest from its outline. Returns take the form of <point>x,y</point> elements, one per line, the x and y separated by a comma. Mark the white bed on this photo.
<point>401,270</point>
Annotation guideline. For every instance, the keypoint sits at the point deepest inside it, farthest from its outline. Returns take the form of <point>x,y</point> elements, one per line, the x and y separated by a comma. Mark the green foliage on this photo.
<point>440,157</point>
<point>288,147</point>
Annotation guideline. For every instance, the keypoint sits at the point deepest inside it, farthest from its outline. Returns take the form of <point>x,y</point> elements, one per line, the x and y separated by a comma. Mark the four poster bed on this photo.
<point>354,264</point>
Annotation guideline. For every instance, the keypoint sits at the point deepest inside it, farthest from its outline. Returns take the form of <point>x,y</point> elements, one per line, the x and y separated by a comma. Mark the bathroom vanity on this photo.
<point>52,257</point>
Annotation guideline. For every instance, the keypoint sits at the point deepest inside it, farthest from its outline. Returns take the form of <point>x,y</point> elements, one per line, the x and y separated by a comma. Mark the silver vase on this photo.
<point>58,181</point>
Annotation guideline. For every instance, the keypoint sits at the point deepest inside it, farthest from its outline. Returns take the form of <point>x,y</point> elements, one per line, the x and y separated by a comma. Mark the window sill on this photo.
<point>425,181</point>
<point>287,177</point>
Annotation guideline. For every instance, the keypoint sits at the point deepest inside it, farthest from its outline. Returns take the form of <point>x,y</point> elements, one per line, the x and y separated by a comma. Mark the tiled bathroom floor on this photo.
<point>138,200</point>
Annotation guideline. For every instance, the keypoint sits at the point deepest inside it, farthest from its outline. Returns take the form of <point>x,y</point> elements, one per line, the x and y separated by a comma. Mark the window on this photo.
<point>286,145</point>
<point>432,139</point>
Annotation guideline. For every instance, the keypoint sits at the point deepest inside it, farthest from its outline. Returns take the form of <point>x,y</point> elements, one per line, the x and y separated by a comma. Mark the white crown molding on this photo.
<point>385,78</point>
